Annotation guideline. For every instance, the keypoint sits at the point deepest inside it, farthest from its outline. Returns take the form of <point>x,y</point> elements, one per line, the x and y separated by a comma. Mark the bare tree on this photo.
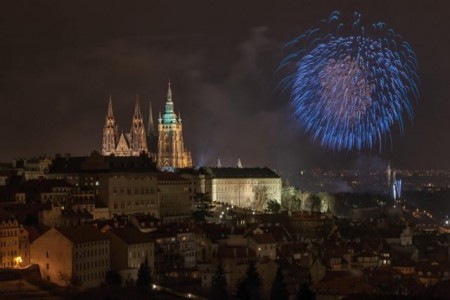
<point>261,197</point>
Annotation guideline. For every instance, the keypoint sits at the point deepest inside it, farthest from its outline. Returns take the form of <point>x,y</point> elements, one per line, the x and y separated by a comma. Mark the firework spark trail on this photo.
<point>349,87</point>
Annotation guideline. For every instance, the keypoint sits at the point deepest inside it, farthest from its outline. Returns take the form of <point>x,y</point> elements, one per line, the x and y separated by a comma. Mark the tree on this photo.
<point>279,289</point>
<point>315,203</point>
<point>249,288</point>
<point>113,279</point>
<point>260,197</point>
<point>219,284</point>
<point>273,206</point>
<point>64,277</point>
<point>304,291</point>
<point>144,279</point>
<point>203,207</point>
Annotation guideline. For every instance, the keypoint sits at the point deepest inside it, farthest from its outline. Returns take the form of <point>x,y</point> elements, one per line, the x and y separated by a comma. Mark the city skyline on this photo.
<point>61,63</point>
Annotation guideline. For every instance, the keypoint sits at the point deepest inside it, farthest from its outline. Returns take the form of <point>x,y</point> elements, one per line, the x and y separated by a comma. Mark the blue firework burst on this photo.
<point>350,85</point>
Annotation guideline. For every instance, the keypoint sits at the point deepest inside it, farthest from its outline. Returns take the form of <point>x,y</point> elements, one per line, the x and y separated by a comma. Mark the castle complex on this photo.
<point>166,146</point>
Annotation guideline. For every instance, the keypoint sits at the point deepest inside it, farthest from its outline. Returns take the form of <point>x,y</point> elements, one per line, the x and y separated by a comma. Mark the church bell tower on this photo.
<point>110,135</point>
<point>171,151</point>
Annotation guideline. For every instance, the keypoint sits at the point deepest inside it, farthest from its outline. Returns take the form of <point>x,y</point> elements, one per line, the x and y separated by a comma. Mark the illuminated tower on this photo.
<point>171,151</point>
<point>152,135</point>
<point>110,135</point>
<point>138,139</point>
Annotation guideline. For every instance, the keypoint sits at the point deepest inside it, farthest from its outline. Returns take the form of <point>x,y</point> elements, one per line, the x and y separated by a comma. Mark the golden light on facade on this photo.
<point>17,261</point>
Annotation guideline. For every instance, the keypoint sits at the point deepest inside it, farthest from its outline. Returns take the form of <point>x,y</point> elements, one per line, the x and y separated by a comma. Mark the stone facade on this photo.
<point>77,256</point>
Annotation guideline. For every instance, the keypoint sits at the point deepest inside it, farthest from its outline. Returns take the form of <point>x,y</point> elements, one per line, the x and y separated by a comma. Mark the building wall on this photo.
<point>9,243</point>
<point>24,248</point>
<point>51,217</point>
<point>63,262</point>
<point>171,151</point>
<point>188,249</point>
<point>130,193</point>
<point>53,253</point>
<point>119,254</point>
<point>91,262</point>
<point>245,192</point>
<point>174,198</point>
<point>137,254</point>
<point>263,250</point>
<point>126,256</point>
<point>197,184</point>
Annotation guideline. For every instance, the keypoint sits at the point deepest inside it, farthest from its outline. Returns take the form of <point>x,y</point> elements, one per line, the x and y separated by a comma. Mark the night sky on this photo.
<point>61,60</point>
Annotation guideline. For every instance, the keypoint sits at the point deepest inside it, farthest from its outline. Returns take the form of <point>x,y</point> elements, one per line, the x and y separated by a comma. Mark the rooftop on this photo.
<point>242,173</point>
<point>82,233</point>
<point>130,235</point>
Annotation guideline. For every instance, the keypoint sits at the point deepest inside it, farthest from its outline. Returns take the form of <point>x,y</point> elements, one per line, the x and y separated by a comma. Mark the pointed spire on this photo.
<point>169,92</point>
<point>110,109</point>
<point>150,125</point>
<point>219,164</point>
<point>169,116</point>
<point>137,108</point>
<point>239,164</point>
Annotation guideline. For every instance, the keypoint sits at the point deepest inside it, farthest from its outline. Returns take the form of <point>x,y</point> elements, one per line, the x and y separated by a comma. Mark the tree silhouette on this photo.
<point>279,289</point>
<point>144,279</point>
<point>304,291</point>
<point>249,288</point>
<point>273,206</point>
<point>113,278</point>
<point>203,207</point>
<point>219,284</point>
<point>315,203</point>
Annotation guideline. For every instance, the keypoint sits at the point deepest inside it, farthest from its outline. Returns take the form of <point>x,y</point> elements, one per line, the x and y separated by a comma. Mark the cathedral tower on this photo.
<point>152,134</point>
<point>171,151</point>
<point>138,139</point>
<point>110,135</point>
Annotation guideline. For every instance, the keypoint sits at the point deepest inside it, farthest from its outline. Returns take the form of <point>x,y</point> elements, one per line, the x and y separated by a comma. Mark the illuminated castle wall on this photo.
<point>166,146</point>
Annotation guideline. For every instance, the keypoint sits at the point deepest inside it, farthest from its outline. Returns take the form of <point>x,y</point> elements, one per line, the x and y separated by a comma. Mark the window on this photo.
<point>48,266</point>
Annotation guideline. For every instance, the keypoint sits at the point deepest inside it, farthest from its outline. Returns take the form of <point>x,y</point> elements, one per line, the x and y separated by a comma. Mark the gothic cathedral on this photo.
<point>166,146</point>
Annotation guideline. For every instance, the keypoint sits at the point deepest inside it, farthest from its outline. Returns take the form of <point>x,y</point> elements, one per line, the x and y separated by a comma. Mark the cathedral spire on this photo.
<point>239,164</point>
<point>109,131</point>
<point>169,116</point>
<point>138,140</point>
<point>137,109</point>
<point>110,109</point>
<point>151,124</point>
<point>169,92</point>
<point>219,164</point>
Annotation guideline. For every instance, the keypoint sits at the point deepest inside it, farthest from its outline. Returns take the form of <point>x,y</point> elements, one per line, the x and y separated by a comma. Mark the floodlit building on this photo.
<point>77,256</point>
<point>243,187</point>
<point>9,240</point>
